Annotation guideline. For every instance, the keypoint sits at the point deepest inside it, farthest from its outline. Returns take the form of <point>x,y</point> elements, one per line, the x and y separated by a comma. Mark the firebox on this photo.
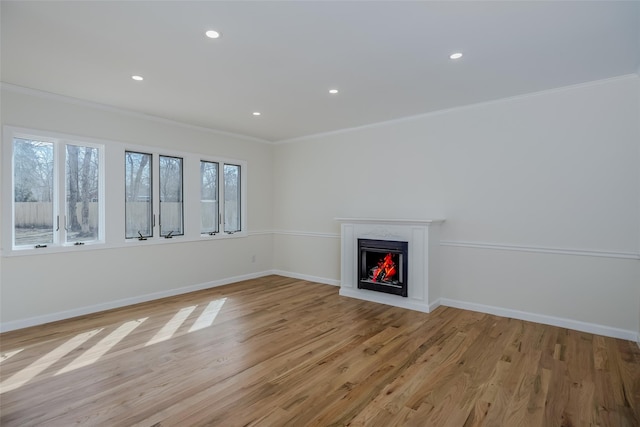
<point>382,266</point>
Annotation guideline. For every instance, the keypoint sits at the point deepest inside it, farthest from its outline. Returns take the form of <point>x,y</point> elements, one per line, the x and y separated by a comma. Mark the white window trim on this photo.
<point>60,142</point>
<point>218,201</point>
<point>112,221</point>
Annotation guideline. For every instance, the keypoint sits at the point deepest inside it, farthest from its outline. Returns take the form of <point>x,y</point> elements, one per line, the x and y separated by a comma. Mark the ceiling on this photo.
<point>387,59</point>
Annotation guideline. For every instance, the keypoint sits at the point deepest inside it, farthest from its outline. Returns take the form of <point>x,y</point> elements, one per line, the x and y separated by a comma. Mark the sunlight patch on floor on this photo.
<point>208,315</point>
<point>93,354</point>
<point>6,355</point>
<point>26,374</point>
<point>171,326</point>
<point>105,344</point>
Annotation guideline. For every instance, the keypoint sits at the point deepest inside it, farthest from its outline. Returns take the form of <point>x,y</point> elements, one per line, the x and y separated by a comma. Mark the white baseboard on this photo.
<point>498,311</point>
<point>437,303</point>
<point>577,325</point>
<point>81,311</point>
<point>307,277</point>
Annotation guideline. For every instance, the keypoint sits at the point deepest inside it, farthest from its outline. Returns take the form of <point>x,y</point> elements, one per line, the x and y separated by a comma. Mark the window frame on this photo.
<point>217,220</point>
<point>59,191</point>
<point>224,199</point>
<point>191,195</point>
<point>243,197</point>
<point>170,234</point>
<point>112,193</point>
<point>100,199</point>
<point>151,182</point>
<point>55,196</point>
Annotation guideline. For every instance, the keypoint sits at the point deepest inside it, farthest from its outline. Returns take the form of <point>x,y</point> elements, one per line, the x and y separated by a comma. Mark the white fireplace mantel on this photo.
<point>389,221</point>
<point>423,271</point>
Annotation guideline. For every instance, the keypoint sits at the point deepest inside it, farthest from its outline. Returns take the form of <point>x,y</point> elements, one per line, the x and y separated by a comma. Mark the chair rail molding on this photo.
<point>541,249</point>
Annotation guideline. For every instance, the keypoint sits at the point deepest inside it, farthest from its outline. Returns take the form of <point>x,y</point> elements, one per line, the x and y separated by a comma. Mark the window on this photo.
<point>138,195</point>
<point>209,216</point>
<point>55,190</point>
<point>82,194</point>
<point>139,207</point>
<point>57,196</point>
<point>171,206</point>
<point>33,192</point>
<point>229,213</point>
<point>232,200</point>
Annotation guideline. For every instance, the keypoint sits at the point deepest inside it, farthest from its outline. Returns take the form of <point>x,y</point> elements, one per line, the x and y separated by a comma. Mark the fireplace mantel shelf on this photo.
<point>389,221</point>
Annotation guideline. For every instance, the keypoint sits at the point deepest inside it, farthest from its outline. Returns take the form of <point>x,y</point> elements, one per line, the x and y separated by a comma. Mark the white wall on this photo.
<point>541,196</point>
<point>38,288</point>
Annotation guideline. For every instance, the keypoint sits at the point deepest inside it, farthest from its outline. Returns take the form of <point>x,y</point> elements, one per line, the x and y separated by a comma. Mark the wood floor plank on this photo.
<point>277,351</point>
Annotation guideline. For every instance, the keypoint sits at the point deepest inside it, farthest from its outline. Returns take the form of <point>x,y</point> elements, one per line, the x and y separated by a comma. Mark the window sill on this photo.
<point>70,248</point>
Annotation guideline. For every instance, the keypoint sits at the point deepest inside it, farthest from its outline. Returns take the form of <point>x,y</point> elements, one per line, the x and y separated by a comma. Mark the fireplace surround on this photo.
<point>420,261</point>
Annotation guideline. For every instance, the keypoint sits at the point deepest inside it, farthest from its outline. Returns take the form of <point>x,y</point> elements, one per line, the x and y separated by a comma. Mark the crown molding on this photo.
<point>104,107</point>
<point>456,109</point>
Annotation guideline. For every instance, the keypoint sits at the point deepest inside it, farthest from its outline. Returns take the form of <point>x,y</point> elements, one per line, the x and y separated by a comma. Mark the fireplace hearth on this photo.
<point>382,266</point>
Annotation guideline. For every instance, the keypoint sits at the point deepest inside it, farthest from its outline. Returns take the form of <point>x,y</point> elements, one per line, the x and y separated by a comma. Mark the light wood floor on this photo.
<point>284,352</point>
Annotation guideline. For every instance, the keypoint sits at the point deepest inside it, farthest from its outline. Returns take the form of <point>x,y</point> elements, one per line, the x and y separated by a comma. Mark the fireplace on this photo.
<point>382,266</point>
<point>413,253</point>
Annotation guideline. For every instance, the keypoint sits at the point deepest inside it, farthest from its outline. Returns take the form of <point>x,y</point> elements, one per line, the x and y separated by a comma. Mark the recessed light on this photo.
<point>333,91</point>
<point>256,113</point>
<point>137,78</point>
<point>456,55</point>
<point>212,34</point>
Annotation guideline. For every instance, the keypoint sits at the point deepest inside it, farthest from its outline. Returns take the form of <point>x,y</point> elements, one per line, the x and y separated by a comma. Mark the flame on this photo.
<point>385,270</point>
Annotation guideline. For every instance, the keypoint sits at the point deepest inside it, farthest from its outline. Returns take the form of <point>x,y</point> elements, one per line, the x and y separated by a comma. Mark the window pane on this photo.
<point>208,197</point>
<point>232,198</point>
<point>82,198</point>
<point>171,196</point>
<point>33,192</point>
<point>138,202</point>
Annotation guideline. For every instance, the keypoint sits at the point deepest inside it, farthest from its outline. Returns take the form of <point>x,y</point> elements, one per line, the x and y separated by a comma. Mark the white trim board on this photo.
<point>315,279</point>
<point>539,249</point>
<point>110,108</point>
<point>453,109</point>
<point>560,322</point>
<point>307,234</point>
<point>488,245</point>
<point>81,311</point>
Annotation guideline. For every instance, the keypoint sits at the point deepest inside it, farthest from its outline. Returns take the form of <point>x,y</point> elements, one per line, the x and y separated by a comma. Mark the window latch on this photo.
<point>40,246</point>
<point>213,233</point>
<point>141,236</point>
<point>169,235</point>
<point>78,244</point>
<point>230,232</point>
